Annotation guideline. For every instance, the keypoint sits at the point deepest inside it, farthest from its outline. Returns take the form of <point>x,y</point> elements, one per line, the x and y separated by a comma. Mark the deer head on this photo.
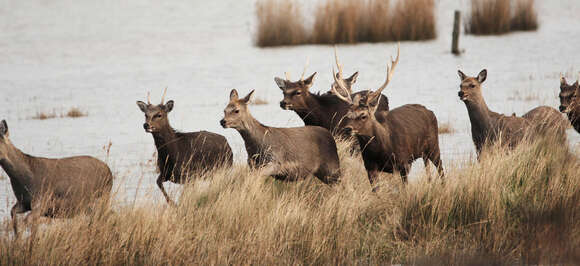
<point>470,87</point>
<point>566,93</point>
<point>4,140</point>
<point>236,113</point>
<point>361,115</point>
<point>295,93</point>
<point>155,115</point>
<point>574,100</point>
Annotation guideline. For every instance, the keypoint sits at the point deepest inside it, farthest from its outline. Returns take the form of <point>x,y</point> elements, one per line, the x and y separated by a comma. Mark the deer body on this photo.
<point>182,156</point>
<point>285,153</point>
<point>52,187</point>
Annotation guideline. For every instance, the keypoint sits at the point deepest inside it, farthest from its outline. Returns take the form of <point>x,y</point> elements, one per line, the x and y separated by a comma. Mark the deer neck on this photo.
<point>379,141</point>
<point>479,115</point>
<point>254,134</point>
<point>18,166</point>
<point>317,111</point>
<point>164,138</point>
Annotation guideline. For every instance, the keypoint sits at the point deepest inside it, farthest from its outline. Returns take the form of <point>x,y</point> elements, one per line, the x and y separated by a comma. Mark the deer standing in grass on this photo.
<point>570,102</point>
<point>407,133</point>
<point>324,110</point>
<point>52,187</point>
<point>488,127</point>
<point>286,154</point>
<point>181,156</point>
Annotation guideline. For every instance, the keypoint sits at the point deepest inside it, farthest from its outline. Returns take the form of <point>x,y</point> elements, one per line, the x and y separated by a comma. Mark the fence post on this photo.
<point>456,29</point>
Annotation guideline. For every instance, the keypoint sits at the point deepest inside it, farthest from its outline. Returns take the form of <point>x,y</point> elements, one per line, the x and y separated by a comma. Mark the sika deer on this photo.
<point>180,156</point>
<point>488,127</point>
<point>324,110</point>
<point>570,102</point>
<point>408,132</point>
<point>52,187</point>
<point>285,153</point>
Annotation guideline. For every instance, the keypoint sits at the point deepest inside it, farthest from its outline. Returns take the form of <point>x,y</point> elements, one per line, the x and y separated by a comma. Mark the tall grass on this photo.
<point>501,16</point>
<point>516,207</point>
<point>351,21</point>
<point>280,22</point>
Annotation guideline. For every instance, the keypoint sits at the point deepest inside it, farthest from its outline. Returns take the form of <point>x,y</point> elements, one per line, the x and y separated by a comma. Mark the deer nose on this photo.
<point>282,104</point>
<point>347,131</point>
<point>146,126</point>
<point>223,123</point>
<point>460,93</point>
<point>562,108</point>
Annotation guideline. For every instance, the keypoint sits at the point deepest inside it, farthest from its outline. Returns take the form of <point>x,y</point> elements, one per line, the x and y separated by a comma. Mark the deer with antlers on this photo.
<point>286,154</point>
<point>181,156</point>
<point>324,110</point>
<point>407,133</point>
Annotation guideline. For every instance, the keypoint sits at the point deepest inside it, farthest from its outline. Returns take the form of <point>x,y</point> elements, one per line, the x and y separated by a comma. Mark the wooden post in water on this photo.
<point>456,29</point>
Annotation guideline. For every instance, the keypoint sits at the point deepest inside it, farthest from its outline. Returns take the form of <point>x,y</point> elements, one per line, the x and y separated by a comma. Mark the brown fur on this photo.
<point>409,132</point>
<point>181,156</point>
<point>324,110</point>
<point>52,187</point>
<point>285,153</point>
<point>488,127</point>
<point>570,102</point>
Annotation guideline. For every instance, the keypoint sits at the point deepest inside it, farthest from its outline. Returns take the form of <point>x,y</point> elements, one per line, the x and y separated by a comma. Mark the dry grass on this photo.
<point>446,128</point>
<point>497,17</point>
<point>75,112</point>
<point>511,208</point>
<point>44,115</point>
<point>347,21</point>
<point>280,22</point>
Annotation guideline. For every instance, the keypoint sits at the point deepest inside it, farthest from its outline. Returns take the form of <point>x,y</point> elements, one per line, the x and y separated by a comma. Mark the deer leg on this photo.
<point>404,170</point>
<point>16,209</point>
<point>160,185</point>
<point>372,175</point>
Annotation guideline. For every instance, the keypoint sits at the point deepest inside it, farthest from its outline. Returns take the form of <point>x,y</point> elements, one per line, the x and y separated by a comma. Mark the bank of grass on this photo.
<point>511,208</point>
<point>280,22</point>
<point>490,17</point>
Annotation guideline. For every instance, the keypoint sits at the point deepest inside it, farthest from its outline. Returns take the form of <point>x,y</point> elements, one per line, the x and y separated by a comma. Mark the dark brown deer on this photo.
<point>285,153</point>
<point>407,133</point>
<point>324,110</point>
<point>52,187</point>
<point>570,102</point>
<point>181,156</point>
<point>488,127</point>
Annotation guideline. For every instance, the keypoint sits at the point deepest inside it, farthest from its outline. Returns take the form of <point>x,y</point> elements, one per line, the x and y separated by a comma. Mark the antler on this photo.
<point>390,70</point>
<point>148,97</point>
<point>305,67</point>
<point>287,75</point>
<point>163,97</point>
<point>337,63</point>
<point>342,87</point>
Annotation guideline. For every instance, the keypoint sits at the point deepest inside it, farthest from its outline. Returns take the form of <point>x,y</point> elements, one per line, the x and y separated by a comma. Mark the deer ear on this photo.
<point>234,95</point>
<point>280,82</point>
<point>248,97</point>
<point>308,81</point>
<point>482,76</point>
<point>142,106</point>
<point>352,79</point>
<point>168,106</point>
<point>563,81</point>
<point>462,76</point>
<point>3,129</point>
<point>356,100</point>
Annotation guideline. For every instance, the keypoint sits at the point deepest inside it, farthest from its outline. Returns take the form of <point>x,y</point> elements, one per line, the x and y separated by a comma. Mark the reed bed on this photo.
<point>347,21</point>
<point>510,208</point>
<point>501,16</point>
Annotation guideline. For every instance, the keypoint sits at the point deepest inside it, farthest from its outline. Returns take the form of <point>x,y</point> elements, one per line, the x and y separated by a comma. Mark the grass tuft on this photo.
<point>490,17</point>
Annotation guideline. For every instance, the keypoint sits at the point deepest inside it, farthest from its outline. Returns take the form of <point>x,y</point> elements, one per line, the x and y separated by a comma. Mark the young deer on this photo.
<point>407,133</point>
<point>285,153</point>
<point>488,127</point>
<point>570,102</point>
<point>52,187</point>
<point>324,110</point>
<point>181,156</point>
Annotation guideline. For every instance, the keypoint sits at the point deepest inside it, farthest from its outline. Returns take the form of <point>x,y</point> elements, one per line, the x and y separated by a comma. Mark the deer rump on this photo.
<point>292,154</point>
<point>413,135</point>
<point>191,154</point>
<point>62,187</point>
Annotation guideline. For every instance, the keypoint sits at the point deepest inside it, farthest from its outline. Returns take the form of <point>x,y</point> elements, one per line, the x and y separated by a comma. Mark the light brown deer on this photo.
<point>488,127</point>
<point>182,156</point>
<point>407,133</point>
<point>285,153</point>
<point>52,187</point>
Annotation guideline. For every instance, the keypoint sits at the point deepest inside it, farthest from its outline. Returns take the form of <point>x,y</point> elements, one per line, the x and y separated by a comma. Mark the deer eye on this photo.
<point>363,117</point>
<point>297,93</point>
<point>236,111</point>
<point>157,116</point>
<point>471,86</point>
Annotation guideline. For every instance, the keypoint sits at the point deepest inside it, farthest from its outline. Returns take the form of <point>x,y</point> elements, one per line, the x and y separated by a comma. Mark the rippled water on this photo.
<point>102,56</point>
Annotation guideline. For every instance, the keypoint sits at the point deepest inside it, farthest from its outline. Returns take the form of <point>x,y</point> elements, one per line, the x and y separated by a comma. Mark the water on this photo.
<point>103,56</point>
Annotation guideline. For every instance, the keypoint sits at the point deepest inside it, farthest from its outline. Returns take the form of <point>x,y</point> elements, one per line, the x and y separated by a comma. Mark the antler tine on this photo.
<point>287,75</point>
<point>391,70</point>
<point>337,63</point>
<point>341,85</point>
<point>148,97</point>
<point>163,97</point>
<point>305,67</point>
